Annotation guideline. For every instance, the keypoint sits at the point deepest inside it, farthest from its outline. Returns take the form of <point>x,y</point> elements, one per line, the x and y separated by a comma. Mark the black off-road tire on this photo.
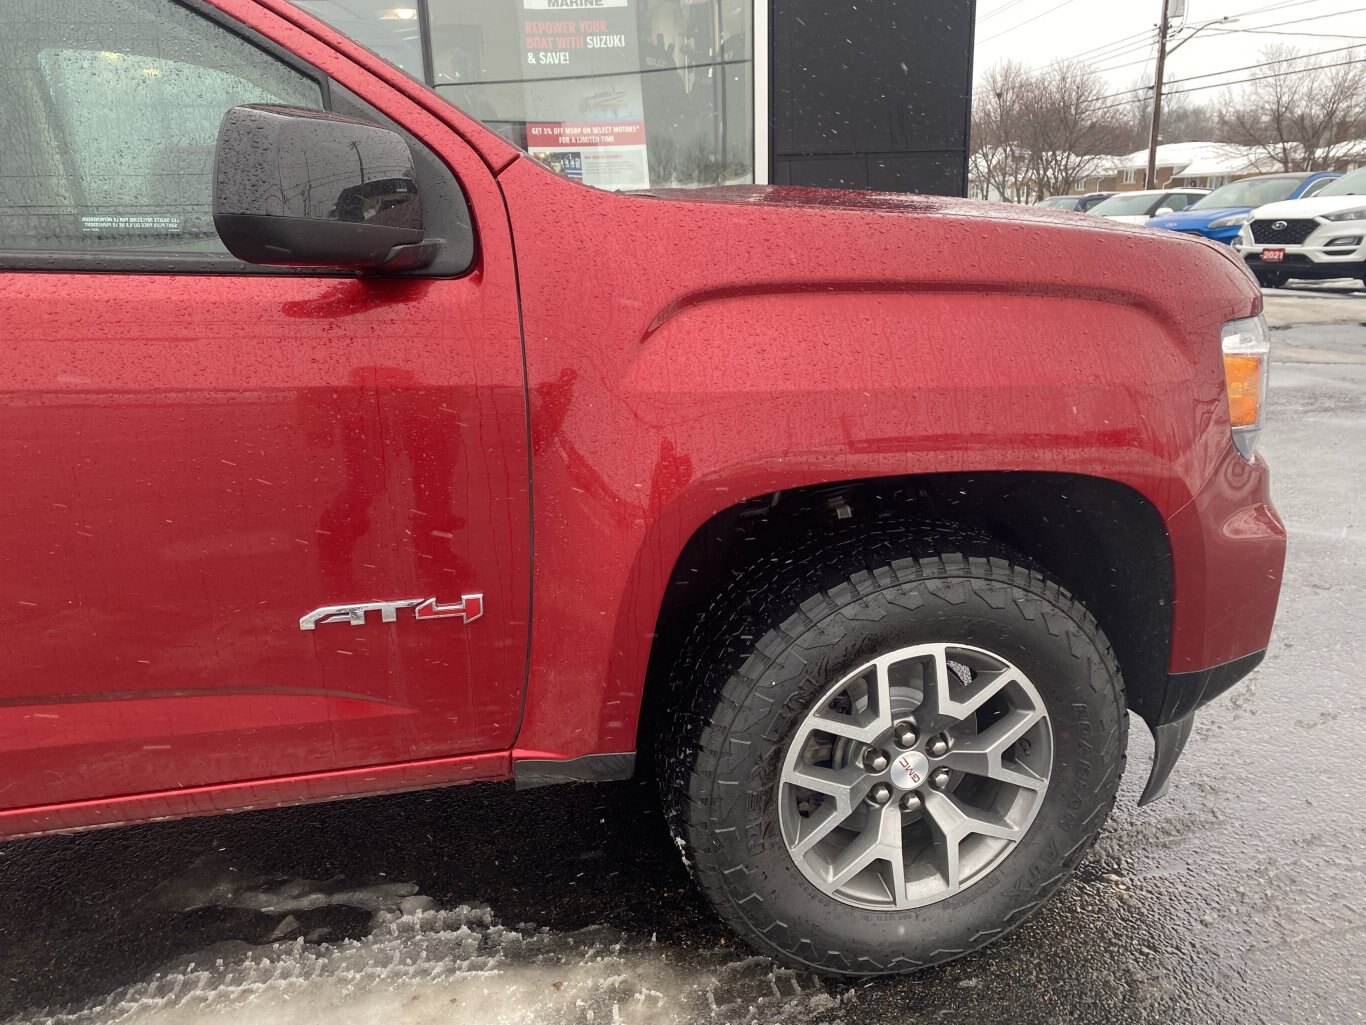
<point>782,633</point>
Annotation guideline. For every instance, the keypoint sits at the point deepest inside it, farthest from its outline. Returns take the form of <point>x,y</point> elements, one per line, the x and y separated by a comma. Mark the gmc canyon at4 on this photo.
<point>347,449</point>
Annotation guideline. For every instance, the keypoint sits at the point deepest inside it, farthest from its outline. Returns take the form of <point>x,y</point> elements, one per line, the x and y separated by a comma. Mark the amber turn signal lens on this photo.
<point>1245,377</point>
<point>1247,358</point>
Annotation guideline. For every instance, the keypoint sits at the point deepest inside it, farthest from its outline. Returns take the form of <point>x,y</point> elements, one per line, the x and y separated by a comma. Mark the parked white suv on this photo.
<point>1137,207</point>
<point>1322,237</point>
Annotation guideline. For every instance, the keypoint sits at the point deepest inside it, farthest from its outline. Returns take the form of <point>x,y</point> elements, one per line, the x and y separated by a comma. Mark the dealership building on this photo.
<point>630,94</point>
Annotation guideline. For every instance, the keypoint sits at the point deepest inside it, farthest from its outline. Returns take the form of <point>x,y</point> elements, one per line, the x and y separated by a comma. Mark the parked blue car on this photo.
<point>1222,214</point>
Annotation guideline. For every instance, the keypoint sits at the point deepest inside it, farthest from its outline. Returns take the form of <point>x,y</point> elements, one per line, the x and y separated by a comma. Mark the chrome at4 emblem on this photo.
<point>469,608</point>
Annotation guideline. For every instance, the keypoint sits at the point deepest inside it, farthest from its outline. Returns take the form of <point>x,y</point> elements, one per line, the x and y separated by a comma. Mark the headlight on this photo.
<point>1230,221</point>
<point>1247,362</point>
<point>1359,214</point>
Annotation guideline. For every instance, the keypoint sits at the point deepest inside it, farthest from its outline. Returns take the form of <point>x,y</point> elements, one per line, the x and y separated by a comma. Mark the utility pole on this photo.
<point>1157,94</point>
<point>1163,36</point>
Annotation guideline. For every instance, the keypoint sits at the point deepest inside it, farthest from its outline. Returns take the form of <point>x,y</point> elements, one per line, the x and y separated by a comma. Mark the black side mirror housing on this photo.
<point>305,188</point>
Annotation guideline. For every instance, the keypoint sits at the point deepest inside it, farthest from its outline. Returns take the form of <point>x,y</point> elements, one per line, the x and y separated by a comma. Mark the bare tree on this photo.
<point>1138,112</point>
<point>1036,133</point>
<point>1303,112</point>
<point>1186,121</point>
<point>998,160</point>
<point>1071,125</point>
<point>1183,119</point>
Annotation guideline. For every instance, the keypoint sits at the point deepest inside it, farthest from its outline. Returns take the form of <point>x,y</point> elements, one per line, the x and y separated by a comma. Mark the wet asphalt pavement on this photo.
<point>1240,897</point>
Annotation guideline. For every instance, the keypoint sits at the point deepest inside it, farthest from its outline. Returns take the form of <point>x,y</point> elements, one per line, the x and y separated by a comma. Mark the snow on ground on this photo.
<point>421,965</point>
<point>1305,302</point>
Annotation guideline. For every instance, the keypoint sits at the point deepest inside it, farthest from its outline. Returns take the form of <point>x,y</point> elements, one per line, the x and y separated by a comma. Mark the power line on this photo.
<point>1129,64</point>
<point>1301,21</point>
<point>1098,52</point>
<point>1259,78</point>
<point>1129,44</point>
<point>1267,64</point>
<point>1152,55</point>
<point>1000,10</point>
<point>1227,71</point>
<point>1146,44</point>
<point>1274,7</point>
<point>1090,112</point>
<point>1278,32</point>
<point>1236,14</point>
<point>1129,94</point>
<point>1113,54</point>
<point>1027,21</point>
<point>1146,36</point>
<point>1320,35</point>
<point>1234,71</point>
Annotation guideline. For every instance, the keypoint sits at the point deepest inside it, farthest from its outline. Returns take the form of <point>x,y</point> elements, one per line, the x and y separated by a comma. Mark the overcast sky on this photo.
<point>1118,36</point>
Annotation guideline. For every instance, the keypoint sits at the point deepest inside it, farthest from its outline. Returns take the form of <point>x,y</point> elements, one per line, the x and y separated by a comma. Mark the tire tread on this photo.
<point>730,651</point>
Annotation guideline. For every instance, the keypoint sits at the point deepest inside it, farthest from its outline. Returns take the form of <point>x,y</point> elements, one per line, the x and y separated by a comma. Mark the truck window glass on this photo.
<point>116,128</point>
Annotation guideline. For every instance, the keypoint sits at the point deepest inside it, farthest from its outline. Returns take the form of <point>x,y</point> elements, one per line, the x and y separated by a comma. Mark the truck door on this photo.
<point>208,470</point>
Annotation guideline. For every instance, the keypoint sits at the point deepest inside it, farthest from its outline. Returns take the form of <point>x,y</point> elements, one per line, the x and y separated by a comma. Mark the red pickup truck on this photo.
<point>346,449</point>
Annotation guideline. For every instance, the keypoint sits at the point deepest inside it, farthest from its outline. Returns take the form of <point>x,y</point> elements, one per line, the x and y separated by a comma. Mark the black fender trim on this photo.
<point>542,772</point>
<point>1171,724</point>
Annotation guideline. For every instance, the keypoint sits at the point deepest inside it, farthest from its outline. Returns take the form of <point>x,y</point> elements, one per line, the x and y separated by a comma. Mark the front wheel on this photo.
<point>888,759</point>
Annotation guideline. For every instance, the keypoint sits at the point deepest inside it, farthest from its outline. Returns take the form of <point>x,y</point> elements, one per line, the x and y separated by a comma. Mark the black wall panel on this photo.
<point>871,94</point>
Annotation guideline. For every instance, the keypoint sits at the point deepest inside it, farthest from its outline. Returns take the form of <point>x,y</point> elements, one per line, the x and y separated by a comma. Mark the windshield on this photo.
<point>1059,202</point>
<point>1127,205</point>
<point>1353,184</point>
<point>1249,192</point>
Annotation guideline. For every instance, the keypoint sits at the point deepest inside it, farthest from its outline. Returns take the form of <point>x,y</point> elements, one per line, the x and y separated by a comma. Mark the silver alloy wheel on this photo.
<point>972,804</point>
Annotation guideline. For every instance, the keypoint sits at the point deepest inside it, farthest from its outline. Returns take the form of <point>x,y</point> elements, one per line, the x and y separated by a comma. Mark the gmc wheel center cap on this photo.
<point>910,770</point>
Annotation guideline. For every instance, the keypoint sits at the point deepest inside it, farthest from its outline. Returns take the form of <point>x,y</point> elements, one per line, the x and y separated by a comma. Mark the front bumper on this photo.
<point>1314,257</point>
<point>1301,265</point>
<point>1228,553</point>
<point>1228,236</point>
<point>1185,693</point>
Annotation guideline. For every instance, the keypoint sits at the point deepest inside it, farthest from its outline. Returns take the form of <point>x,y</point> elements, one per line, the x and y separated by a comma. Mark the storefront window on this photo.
<point>620,94</point>
<point>389,27</point>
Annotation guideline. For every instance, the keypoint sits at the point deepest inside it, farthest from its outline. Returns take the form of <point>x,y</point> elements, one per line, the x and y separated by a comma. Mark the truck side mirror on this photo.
<point>1163,211</point>
<point>305,188</point>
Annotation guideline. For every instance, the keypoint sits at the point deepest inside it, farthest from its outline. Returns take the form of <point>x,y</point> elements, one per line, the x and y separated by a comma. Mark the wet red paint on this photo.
<point>194,462</point>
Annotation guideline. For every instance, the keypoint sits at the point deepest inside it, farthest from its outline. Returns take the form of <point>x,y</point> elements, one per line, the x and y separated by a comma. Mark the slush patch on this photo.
<point>461,966</point>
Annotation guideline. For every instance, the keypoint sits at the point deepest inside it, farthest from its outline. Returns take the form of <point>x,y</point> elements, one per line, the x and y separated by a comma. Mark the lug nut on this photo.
<point>939,778</point>
<point>875,761</point>
<point>912,802</point>
<point>938,747</point>
<point>880,794</point>
<point>906,734</point>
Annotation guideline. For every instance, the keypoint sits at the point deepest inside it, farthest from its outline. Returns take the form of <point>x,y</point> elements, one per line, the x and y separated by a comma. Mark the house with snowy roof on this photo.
<point>1199,165</point>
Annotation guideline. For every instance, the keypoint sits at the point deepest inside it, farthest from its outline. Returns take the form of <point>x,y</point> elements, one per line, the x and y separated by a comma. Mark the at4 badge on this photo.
<point>469,608</point>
